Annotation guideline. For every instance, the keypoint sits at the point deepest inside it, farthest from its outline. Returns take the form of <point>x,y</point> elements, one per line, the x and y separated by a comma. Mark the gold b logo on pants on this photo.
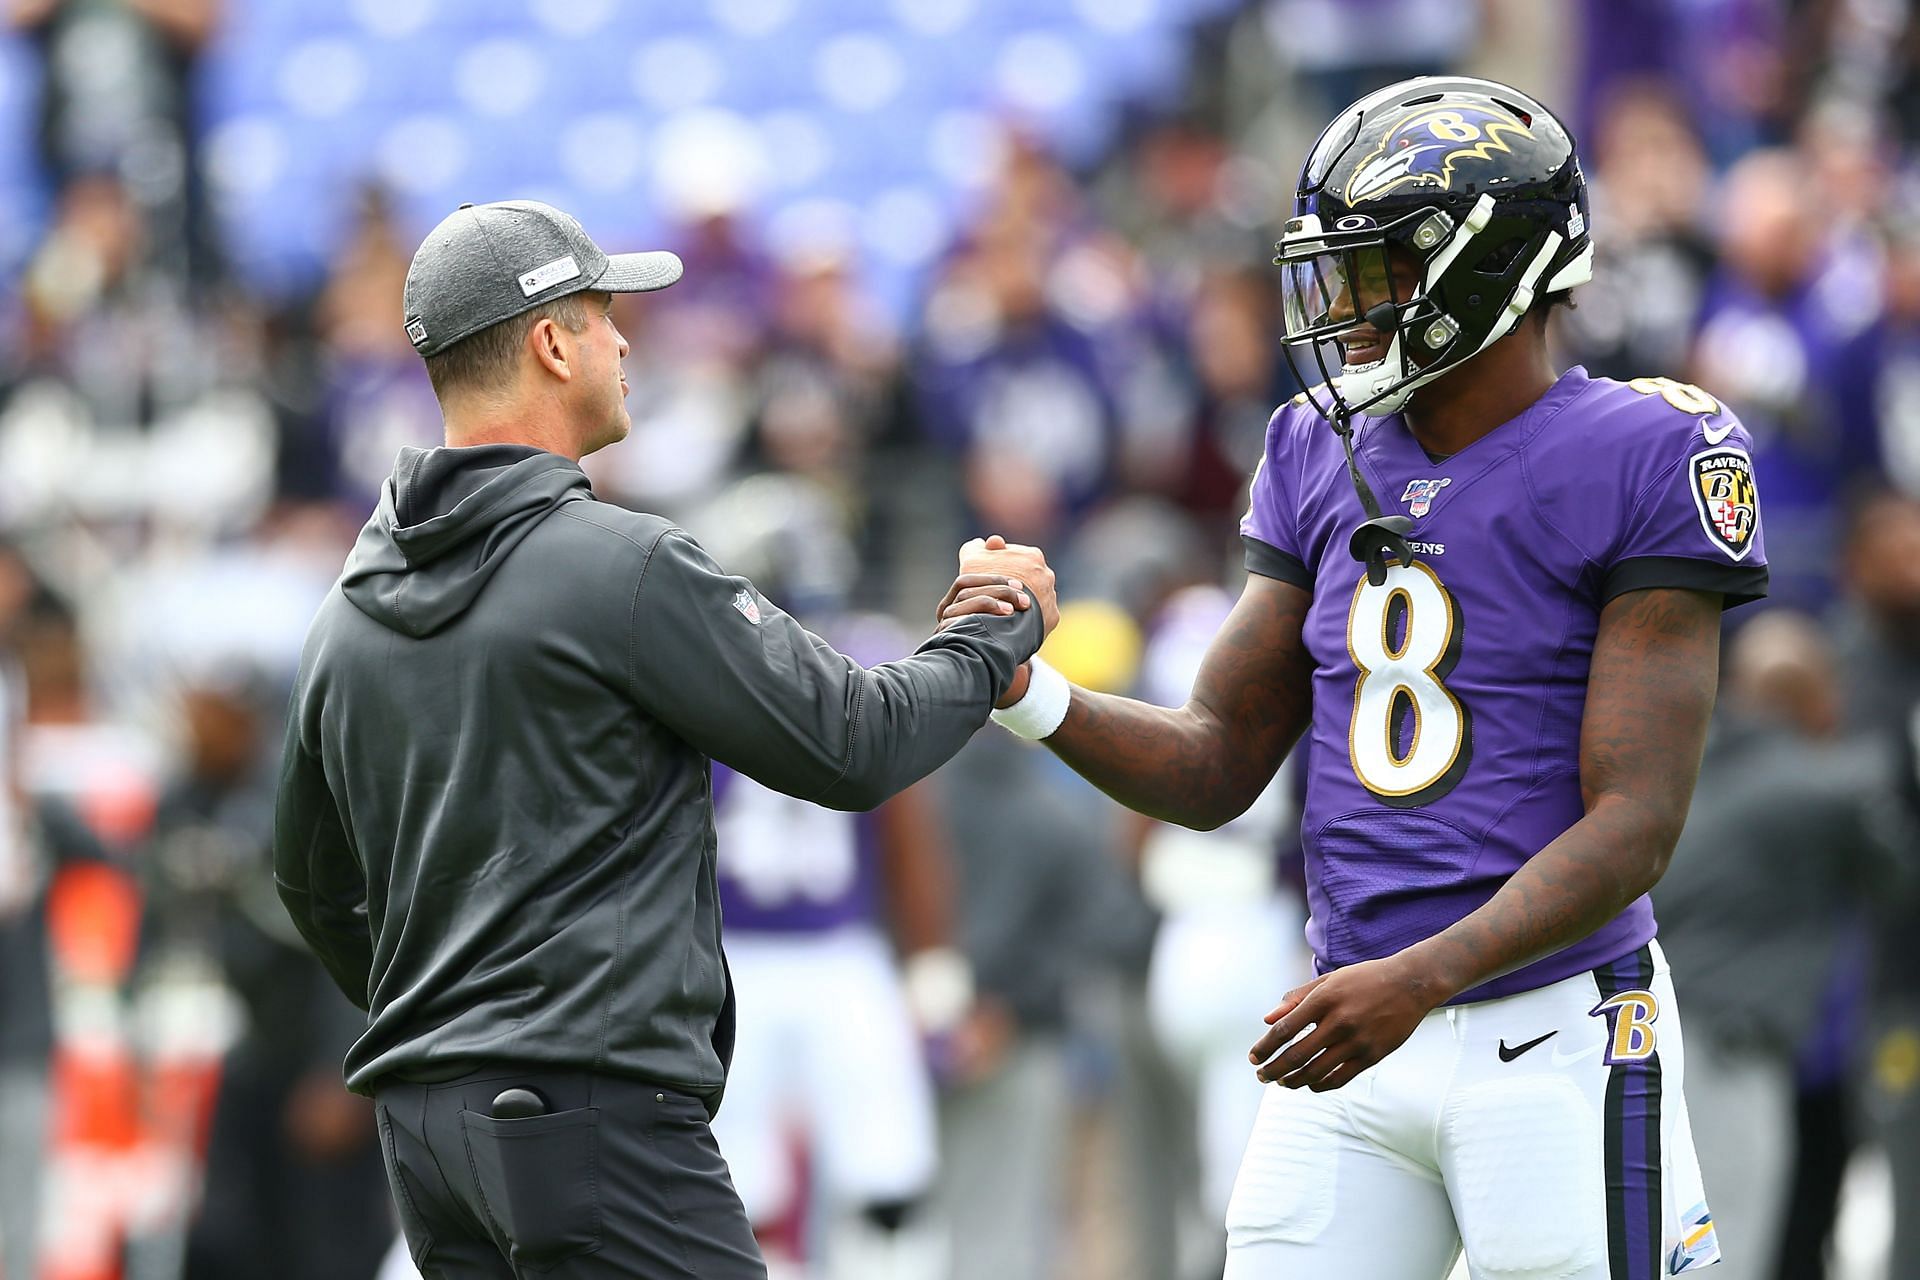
<point>1630,1016</point>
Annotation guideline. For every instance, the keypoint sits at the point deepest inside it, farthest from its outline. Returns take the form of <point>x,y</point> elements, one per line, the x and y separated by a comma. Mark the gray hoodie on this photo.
<point>495,825</point>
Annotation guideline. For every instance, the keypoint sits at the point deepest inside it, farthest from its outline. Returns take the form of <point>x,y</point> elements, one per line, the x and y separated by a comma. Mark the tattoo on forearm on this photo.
<point>1650,692</point>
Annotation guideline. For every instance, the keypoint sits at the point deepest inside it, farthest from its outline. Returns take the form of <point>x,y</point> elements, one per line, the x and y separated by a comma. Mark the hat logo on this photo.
<point>549,275</point>
<point>416,332</point>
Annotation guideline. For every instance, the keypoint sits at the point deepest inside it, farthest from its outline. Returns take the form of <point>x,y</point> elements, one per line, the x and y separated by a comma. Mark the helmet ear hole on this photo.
<point>1498,260</point>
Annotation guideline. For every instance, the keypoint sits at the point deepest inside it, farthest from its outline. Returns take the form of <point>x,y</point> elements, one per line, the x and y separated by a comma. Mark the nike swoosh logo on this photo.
<point>1715,437</point>
<point>1508,1055</point>
<point>1562,1058</point>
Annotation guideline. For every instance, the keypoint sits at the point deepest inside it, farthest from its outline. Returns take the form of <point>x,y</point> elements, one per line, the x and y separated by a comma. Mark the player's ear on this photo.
<point>547,341</point>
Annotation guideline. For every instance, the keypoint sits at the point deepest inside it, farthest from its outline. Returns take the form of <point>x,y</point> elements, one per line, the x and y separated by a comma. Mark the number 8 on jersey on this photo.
<point>1409,739</point>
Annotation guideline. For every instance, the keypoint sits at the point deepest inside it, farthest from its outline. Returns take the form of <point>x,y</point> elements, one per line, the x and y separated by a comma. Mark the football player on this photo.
<point>1491,592</point>
<point>815,902</point>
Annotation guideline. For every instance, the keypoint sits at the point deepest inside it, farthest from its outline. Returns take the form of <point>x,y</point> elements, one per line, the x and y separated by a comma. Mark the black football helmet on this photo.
<point>1478,183</point>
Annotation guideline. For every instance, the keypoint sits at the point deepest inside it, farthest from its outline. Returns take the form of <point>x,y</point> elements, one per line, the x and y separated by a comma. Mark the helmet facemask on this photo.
<point>1424,338</point>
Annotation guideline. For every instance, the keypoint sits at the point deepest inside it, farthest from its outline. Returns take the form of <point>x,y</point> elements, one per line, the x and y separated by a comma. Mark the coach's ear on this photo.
<point>551,347</point>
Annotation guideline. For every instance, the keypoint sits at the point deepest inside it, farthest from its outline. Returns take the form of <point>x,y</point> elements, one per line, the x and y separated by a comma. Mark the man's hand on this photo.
<point>973,593</point>
<point>978,1047</point>
<point>1024,565</point>
<point>1358,1016</point>
<point>988,593</point>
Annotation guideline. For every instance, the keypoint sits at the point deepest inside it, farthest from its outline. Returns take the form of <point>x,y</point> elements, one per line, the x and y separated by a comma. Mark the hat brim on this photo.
<point>639,272</point>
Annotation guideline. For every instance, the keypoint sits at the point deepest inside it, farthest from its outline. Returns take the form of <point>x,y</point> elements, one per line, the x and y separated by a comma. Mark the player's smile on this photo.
<point>1362,346</point>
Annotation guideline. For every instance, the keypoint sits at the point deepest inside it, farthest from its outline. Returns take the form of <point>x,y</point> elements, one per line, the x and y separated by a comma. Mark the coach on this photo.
<point>494,821</point>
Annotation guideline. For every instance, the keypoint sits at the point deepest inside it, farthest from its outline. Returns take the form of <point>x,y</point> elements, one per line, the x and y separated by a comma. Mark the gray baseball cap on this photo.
<point>490,262</point>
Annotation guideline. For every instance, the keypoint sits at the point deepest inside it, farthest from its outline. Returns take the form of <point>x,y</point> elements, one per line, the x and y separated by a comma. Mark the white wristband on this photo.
<point>1041,708</point>
<point>939,988</point>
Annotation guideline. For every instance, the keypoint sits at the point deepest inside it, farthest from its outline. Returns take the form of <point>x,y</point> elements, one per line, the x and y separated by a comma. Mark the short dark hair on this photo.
<point>484,361</point>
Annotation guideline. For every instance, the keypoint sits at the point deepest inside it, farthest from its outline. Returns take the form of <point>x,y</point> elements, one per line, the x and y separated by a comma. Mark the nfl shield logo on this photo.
<point>749,608</point>
<point>1420,495</point>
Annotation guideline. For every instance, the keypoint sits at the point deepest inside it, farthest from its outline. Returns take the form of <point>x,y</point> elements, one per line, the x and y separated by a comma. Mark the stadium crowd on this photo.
<point>1089,366</point>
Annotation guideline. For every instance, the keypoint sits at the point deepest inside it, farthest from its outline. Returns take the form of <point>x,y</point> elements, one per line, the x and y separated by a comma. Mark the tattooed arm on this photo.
<point>1202,764</point>
<point>1649,694</point>
<point>1656,664</point>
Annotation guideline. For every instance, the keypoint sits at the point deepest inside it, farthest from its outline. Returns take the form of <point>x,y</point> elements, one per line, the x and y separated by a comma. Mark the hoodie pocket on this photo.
<point>538,1181</point>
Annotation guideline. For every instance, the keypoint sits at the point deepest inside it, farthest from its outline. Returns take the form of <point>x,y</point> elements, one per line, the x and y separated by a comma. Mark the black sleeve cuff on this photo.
<point>1737,583</point>
<point>1270,561</point>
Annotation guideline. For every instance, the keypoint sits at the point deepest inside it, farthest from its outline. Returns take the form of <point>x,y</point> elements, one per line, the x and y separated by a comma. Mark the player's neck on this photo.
<point>1495,387</point>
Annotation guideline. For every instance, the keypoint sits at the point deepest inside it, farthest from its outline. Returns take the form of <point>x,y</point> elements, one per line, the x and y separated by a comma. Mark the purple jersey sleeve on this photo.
<point>1271,527</point>
<point>1693,518</point>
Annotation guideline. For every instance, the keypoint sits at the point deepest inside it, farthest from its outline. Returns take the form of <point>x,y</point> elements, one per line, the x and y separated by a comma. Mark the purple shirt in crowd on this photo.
<point>1447,702</point>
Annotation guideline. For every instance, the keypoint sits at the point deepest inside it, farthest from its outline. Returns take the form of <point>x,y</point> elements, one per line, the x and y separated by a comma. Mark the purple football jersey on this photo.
<point>787,866</point>
<point>1447,702</point>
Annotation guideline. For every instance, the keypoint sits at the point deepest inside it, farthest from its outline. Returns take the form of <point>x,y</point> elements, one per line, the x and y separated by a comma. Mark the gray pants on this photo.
<point>1003,1145</point>
<point>620,1178</point>
<point>25,1099</point>
<point>1740,1103</point>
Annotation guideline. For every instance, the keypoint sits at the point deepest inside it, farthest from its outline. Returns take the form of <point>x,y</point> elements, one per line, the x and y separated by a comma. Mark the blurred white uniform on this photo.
<point>827,1053</point>
<point>1231,939</point>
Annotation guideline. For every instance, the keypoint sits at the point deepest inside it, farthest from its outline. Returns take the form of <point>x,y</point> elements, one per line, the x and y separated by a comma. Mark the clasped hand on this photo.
<point>999,577</point>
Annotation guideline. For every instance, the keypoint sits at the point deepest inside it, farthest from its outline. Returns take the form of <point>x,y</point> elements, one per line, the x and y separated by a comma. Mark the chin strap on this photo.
<point>1382,535</point>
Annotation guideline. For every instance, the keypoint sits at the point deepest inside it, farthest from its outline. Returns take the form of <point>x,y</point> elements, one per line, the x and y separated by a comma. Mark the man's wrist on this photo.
<point>1426,971</point>
<point>1017,689</point>
<point>1042,708</point>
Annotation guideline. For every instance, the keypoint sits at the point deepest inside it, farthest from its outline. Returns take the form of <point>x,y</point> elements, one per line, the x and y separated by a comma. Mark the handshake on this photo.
<point>996,577</point>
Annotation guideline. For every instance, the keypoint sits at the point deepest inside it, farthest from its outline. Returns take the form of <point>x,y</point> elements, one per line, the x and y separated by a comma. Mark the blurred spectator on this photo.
<point>1792,834</point>
<point>1012,387</point>
<point>373,393</point>
<point>691,369</point>
<point>1344,50</point>
<point>1653,253</point>
<point>293,1183</point>
<point>96,317</point>
<point>1027,852</point>
<point>1188,202</point>
<point>1728,57</point>
<point>1876,627</point>
<point>826,393</point>
<point>1232,338</point>
<point>26,1016</point>
<point>126,403</point>
<point>1897,385</point>
<point>1877,636</point>
<point>118,98</point>
<point>1785,337</point>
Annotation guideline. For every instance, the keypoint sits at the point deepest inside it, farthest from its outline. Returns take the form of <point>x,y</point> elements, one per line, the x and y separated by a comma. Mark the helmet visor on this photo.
<point>1328,292</point>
